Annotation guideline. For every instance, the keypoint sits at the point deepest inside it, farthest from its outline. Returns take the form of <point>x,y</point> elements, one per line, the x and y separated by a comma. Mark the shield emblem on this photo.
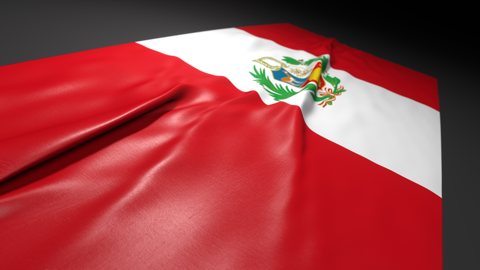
<point>296,75</point>
<point>303,75</point>
<point>285,76</point>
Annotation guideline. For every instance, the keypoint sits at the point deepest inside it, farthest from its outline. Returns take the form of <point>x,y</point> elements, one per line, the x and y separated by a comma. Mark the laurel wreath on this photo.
<point>293,61</point>
<point>277,91</point>
<point>280,92</point>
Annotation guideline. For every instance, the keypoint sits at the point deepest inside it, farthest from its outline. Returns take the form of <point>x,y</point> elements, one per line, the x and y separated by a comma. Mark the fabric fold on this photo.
<point>185,153</point>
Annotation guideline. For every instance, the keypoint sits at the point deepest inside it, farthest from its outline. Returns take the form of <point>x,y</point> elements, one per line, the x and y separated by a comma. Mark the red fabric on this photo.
<point>125,158</point>
<point>396,78</point>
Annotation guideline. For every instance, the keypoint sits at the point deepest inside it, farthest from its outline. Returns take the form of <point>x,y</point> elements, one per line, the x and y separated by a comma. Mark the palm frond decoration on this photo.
<point>277,91</point>
<point>291,60</point>
<point>323,95</point>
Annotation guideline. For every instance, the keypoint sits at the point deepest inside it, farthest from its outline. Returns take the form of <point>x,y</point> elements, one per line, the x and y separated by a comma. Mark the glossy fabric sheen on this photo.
<point>391,130</point>
<point>395,78</point>
<point>125,158</point>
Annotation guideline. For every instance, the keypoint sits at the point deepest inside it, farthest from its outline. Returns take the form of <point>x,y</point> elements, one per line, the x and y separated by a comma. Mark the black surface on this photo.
<point>437,40</point>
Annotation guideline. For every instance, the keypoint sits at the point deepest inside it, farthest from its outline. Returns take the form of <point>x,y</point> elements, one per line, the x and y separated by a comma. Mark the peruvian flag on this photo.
<point>260,147</point>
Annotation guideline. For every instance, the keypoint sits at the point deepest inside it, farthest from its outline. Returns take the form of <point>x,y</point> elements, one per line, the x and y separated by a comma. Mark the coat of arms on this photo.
<point>292,76</point>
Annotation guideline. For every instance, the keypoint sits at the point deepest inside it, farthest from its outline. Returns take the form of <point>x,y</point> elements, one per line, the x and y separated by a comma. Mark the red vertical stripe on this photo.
<point>180,170</point>
<point>396,78</point>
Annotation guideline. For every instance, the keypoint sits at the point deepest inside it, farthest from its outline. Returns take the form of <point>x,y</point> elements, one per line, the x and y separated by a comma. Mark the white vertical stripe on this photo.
<point>391,130</point>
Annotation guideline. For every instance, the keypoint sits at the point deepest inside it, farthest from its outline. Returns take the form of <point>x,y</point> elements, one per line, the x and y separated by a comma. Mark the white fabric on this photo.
<point>391,130</point>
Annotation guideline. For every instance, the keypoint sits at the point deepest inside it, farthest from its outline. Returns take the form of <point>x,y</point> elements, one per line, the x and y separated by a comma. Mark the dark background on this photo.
<point>436,40</point>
